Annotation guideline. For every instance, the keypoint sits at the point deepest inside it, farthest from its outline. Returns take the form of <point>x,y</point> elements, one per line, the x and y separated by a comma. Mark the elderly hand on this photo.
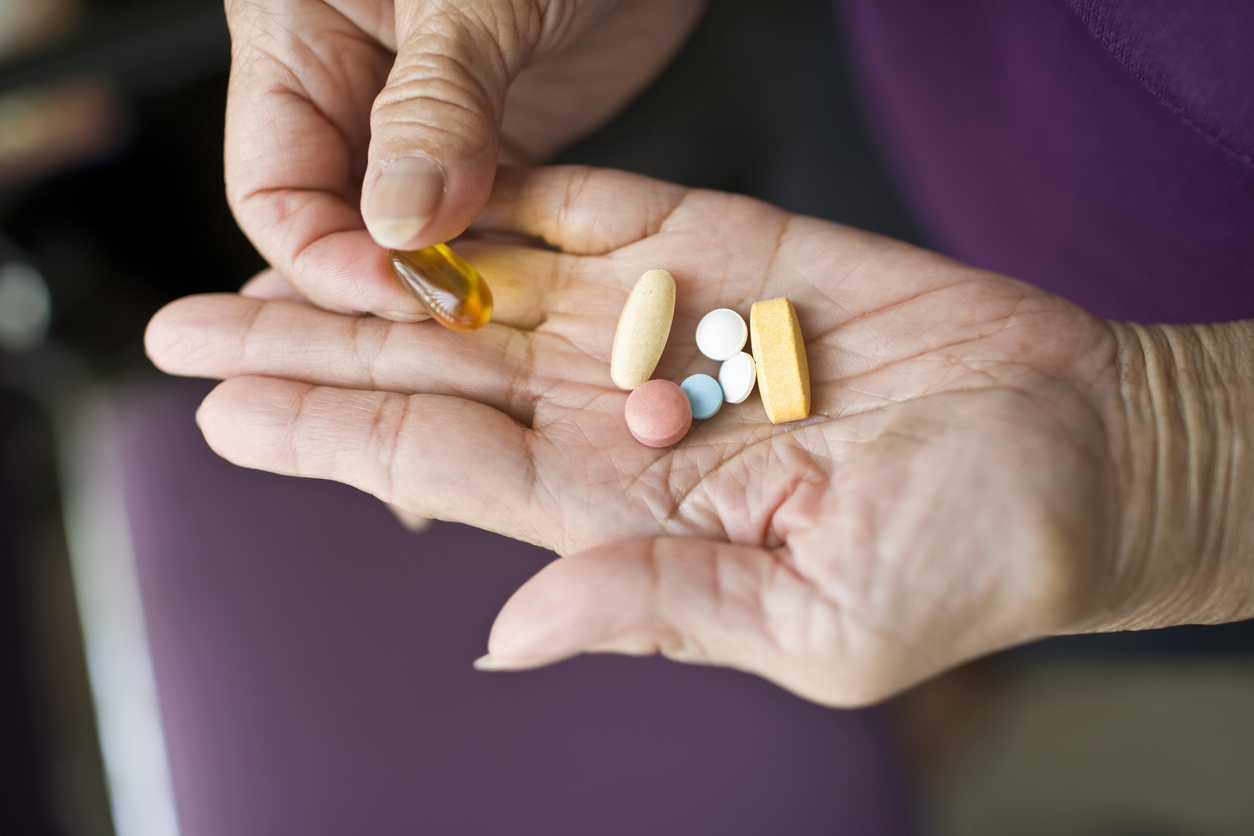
<point>984,463</point>
<point>389,115</point>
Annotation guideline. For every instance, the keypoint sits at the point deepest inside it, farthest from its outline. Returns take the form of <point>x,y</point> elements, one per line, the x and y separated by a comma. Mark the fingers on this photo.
<point>521,279</point>
<point>220,336</point>
<point>343,121</point>
<point>412,451</point>
<point>691,600</point>
<point>434,127</point>
<point>303,78</point>
<point>269,285</point>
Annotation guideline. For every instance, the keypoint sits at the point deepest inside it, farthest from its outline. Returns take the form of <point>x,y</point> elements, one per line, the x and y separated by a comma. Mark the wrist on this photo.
<point>1185,463</point>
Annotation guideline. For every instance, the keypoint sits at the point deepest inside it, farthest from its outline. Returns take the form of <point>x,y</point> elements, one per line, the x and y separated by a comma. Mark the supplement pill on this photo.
<point>721,334</point>
<point>704,393</point>
<point>736,377</point>
<point>658,413</point>
<point>643,328</point>
<point>451,290</point>
<point>780,354</point>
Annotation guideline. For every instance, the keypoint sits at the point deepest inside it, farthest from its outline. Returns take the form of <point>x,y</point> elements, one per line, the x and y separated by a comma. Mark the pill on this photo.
<point>704,394</point>
<point>780,355</point>
<point>658,413</point>
<point>736,377</point>
<point>451,290</point>
<point>643,328</point>
<point>721,334</point>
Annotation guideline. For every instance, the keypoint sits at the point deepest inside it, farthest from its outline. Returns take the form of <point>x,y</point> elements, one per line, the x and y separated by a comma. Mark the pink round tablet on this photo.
<point>658,413</point>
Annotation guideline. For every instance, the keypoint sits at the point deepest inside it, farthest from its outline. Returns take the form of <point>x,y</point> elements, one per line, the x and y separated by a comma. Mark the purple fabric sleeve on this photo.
<point>1197,58</point>
<point>1096,149</point>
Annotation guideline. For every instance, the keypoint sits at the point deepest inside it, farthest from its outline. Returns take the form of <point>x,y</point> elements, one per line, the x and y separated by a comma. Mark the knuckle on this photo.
<point>436,105</point>
<point>384,443</point>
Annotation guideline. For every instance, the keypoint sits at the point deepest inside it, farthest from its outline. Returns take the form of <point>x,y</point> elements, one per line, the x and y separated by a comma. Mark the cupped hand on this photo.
<point>954,491</point>
<point>344,115</point>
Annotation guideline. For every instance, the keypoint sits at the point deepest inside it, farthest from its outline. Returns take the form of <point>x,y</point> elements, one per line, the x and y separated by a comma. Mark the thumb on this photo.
<point>435,125</point>
<point>690,600</point>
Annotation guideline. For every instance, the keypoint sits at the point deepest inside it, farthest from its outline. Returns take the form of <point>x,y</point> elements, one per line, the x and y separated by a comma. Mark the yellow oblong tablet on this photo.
<point>643,328</point>
<point>780,354</point>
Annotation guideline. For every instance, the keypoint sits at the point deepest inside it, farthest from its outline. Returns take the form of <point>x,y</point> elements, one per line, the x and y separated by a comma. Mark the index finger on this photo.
<point>297,128</point>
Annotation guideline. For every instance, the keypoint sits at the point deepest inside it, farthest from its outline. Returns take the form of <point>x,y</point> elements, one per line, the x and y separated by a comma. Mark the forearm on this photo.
<point>1186,467</point>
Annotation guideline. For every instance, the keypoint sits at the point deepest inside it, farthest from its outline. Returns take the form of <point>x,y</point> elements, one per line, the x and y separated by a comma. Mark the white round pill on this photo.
<point>737,376</point>
<point>721,334</point>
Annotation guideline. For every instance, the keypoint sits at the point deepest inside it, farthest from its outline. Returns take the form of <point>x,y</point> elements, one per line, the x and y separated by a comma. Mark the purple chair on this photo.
<point>313,664</point>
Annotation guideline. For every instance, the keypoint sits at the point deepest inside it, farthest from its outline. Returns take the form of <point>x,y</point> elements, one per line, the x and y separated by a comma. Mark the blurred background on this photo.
<point>111,204</point>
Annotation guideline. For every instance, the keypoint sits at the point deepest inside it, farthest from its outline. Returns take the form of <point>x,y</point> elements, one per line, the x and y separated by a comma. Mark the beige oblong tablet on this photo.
<point>643,328</point>
<point>780,355</point>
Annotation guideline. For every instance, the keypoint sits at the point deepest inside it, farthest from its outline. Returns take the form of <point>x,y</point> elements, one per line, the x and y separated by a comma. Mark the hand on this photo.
<point>415,98</point>
<point>963,483</point>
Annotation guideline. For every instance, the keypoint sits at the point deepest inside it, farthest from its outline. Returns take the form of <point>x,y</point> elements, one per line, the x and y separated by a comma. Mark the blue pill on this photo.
<point>704,393</point>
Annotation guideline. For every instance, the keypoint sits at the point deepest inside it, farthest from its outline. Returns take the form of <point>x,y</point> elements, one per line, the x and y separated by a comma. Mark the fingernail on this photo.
<point>403,200</point>
<point>487,662</point>
<point>415,525</point>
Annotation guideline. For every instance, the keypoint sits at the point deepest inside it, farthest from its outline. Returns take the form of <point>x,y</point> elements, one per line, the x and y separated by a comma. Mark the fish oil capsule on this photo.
<point>780,354</point>
<point>643,328</point>
<point>450,289</point>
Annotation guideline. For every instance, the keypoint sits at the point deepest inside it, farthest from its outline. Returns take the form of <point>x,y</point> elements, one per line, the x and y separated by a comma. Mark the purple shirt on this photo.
<point>1100,150</point>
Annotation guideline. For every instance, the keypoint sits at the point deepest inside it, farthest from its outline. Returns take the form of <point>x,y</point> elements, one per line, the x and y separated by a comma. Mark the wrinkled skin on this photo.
<point>952,492</point>
<point>325,93</point>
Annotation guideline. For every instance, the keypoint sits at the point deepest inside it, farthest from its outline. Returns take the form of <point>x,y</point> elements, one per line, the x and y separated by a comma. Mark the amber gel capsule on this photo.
<point>449,288</point>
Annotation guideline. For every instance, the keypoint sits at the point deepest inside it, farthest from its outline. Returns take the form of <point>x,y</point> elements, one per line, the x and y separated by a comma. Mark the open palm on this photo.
<point>948,495</point>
